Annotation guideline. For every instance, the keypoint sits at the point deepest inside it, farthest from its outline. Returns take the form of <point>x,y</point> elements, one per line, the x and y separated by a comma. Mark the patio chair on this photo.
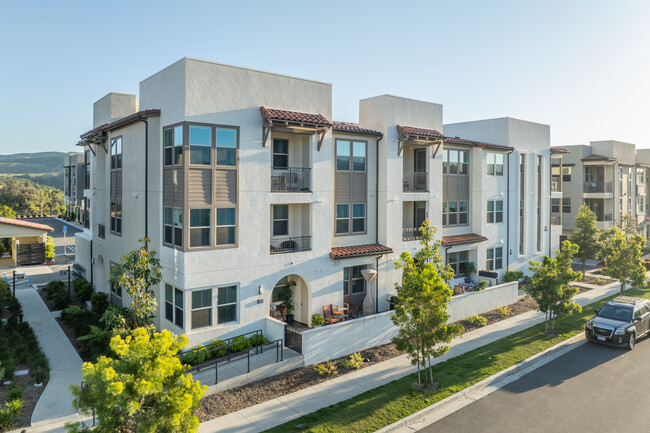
<point>352,311</point>
<point>328,314</point>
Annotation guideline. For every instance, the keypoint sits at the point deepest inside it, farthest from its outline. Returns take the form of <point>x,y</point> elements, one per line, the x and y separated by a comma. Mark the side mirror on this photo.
<point>596,310</point>
<point>637,319</point>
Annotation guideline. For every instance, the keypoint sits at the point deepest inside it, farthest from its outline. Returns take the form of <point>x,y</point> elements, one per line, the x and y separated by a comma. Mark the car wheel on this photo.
<point>631,341</point>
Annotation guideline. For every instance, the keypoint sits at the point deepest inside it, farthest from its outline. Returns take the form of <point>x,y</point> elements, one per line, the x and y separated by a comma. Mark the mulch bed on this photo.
<point>50,303</point>
<point>248,395</point>
<point>595,280</point>
<point>31,394</point>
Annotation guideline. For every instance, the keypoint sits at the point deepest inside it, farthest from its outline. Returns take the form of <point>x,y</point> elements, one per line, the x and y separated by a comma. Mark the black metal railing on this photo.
<point>595,187</point>
<point>290,179</point>
<point>290,245</point>
<point>415,182</point>
<point>411,234</point>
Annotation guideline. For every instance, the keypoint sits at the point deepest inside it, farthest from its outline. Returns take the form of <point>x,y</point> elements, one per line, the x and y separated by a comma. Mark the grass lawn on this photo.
<point>386,404</point>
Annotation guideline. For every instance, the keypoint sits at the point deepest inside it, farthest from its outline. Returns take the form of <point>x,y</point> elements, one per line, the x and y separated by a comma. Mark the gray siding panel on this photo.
<point>463,187</point>
<point>168,187</point>
<point>225,191</point>
<point>116,186</point>
<point>200,187</point>
<point>359,188</point>
<point>178,185</point>
<point>342,187</point>
<point>445,186</point>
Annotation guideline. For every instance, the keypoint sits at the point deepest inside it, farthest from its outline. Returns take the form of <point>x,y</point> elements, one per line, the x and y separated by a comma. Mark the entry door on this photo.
<point>420,169</point>
<point>354,286</point>
<point>419,213</point>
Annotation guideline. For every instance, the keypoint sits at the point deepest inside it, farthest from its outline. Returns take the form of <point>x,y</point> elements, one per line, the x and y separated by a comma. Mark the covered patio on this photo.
<point>27,242</point>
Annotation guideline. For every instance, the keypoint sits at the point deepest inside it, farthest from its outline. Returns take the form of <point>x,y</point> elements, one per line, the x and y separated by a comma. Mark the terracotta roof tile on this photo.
<point>123,121</point>
<point>23,223</point>
<point>555,149</point>
<point>294,116</point>
<point>410,131</point>
<point>419,132</point>
<point>596,157</point>
<point>359,250</point>
<point>354,128</point>
<point>468,238</point>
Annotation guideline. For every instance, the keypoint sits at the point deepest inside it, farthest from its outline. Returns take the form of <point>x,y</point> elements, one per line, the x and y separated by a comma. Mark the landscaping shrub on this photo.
<point>217,348</point>
<point>503,311</point>
<point>83,289</point>
<point>7,414</point>
<point>598,281</point>
<point>99,303</point>
<point>197,356</point>
<point>476,320</point>
<point>258,340</point>
<point>240,344</point>
<point>326,369</point>
<point>317,319</point>
<point>79,318</point>
<point>52,288</point>
<point>97,341</point>
<point>354,362</point>
<point>482,285</point>
<point>512,276</point>
<point>15,391</point>
<point>61,301</point>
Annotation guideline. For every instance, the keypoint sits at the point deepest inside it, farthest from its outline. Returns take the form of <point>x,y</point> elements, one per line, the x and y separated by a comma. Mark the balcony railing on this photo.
<point>556,220</point>
<point>604,217</point>
<point>290,179</point>
<point>556,184</point>
<point>597,187</point>
<point>411,234</point>
<point>290,245</point>
<point>415,182</point>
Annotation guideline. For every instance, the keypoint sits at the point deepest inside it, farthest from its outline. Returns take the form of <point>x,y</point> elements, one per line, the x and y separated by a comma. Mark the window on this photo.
<point>174,305</point>
<point>566,205</point>
<point>201,308</point>
<point>227,304</point>
<point>640,204</point>
<point>494,259</point>
<point>280,153</point>
<point>353,153</point>
<point>87,169</point>
<point>458,261</point>
<point>167,225</point>
<point>566,174</point>
<point>495,164</point>
<point>358,218</point>
<point>173,145</point>
<point>280,220</point>
<point>342,155</point>
<point>455,161</point>
<point>178,145</point>
<point>116,153</point>
<point>454,213</point>
<point>200,144</point>
<point>353,281</point>
<point>101,231</point>
<point>199,227</point>
<point>555,205</point>
<point>640,176</point>
<point>178,227</point>
<point>226,224</point>
<point>226,146</point>
<point>279,287</point>
<point>495,211</point>
<point>359,156</point>
<point>342,218</point>
<point>116,218</point>
<point>115,288</point>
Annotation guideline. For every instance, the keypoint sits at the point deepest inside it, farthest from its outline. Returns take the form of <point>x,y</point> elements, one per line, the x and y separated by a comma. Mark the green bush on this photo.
<point>54,287</point>
<point>598,281</point>
<point>354,362</point>
<point>217,348</point>
<point>61,301</point>
<point>99,303</point>
<point>197,356</point>
<point>7,414</point>
<point>97,341</point>
<point>326,369</point>
<point>317,319</point>
<point>240,344</point>
<point>15,391</point>
<point>482,285</point>
<point>9,368</point>
<point>79,318</point>
<point>512,276</point>
<point>83,289</point>
<point>258,340</point>
<point>503,311</point>
<point>476,320</point>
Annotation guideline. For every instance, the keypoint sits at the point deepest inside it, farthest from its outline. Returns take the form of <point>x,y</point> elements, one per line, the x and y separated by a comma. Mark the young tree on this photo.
<point>421,304</point>
<point>586,236</point>
<point>143,390</point>
<point>49,249</point>
<point>629,225</point>
<point>137,272</point>
<point>550,287</point>
<point>624,261</point>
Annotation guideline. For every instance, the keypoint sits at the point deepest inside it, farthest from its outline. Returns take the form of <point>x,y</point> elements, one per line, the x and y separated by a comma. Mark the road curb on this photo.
<point>488,385</point>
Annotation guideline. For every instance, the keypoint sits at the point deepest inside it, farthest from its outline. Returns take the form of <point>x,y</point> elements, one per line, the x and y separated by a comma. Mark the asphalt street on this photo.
<point>61,242</point>
<point>592,388</point>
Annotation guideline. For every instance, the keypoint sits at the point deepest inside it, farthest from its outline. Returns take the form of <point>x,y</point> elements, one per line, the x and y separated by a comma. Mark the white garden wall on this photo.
<point>473,303</point>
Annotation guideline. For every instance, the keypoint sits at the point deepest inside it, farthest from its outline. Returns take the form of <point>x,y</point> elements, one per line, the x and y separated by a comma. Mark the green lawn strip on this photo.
<point>386,404</point>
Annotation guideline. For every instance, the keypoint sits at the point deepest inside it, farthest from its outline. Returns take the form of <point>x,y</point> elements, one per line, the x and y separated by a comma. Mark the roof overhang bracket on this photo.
<point>91,149</point>
<point>267,125</point>
<point>435,152</point>
<point>321,136</point>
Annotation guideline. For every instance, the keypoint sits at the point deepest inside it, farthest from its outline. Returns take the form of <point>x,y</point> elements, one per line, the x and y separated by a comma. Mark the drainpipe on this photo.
<point>508,213</point>
<point>550,204</point>
<point>146,176</point>
<point>377,224</point>
<point>92,264</point>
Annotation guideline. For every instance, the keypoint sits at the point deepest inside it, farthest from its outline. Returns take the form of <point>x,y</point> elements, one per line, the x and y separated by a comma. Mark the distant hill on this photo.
<point>45,168</point>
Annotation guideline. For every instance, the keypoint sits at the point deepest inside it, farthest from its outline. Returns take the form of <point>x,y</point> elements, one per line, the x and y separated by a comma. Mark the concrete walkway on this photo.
<point>289,407</point>
<point>55,405</point>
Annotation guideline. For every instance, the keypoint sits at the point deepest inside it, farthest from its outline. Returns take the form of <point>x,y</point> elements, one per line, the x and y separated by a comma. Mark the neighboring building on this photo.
<point>242,182</point>
<point>609,177</point>
<point>76,176</point>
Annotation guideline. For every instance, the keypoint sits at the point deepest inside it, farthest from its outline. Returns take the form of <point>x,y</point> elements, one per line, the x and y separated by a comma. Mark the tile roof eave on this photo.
<point>337,253</point>
<point>26,224</point>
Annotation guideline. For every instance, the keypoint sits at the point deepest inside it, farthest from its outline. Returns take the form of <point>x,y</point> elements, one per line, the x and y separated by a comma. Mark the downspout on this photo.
<point>92,262</point>
<point>550,204</point>
<point>377,223</point>
<point>508,213</point>
<point>146,176</point>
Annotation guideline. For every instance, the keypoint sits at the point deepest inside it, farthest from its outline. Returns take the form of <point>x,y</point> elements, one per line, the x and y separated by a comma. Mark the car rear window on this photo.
<point>616,312</point>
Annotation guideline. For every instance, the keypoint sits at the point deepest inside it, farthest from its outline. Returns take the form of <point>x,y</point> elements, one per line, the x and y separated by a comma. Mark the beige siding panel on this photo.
<point>168,187</point>
<point>359,190</point>
<point>463,187</point>
<point>178,184</point>
<point>225,191</point>
<point>342,187</point>
<point>200,187</point>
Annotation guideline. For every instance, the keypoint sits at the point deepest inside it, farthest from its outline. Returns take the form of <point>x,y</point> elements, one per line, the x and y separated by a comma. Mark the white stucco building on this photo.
<point>242,181</point>
<point>75,176</point>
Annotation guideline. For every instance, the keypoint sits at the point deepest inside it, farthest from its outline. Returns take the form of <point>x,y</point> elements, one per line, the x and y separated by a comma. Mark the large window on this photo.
<point>342,218</point>
<point>280,220</point>
<point>178,227</point>
<point>227,304</point>
<point>116,153</point>
<point>200,227</point>
<point>359,218</point>
<point>458,260</point>
<point>226,226</point>
<point>200,144</point>
<point>277,290</point>
<point>350,155</point>
<point>495,164</point>
<point>455,161</point>
<point>201,308</point>
<point>174,305</point>
<point>353,281</point>
<point>173,145</point>
<point>167,225</point>
<point>566,205</point>
<point>495,211</point>
<point>116,218</point>
<point>87,169</point>
<point>226,146</point>
<point>494,259</point>
<point>566,174</point>
<point>280,153</point>
<point>454,213</point>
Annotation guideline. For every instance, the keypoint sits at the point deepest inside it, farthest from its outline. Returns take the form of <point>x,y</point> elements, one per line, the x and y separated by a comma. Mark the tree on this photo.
<point>421,304</point>
<point>550,286</point>
<point>587,236</point>
<point>137,272</point>
<point>7,212</point>
<point>629,225</point>
<point>624,262</point>
<point>143,390</point>
<point>49,249</point>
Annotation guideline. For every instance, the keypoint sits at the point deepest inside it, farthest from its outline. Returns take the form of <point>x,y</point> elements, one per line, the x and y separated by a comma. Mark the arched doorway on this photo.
<point>301,298</point>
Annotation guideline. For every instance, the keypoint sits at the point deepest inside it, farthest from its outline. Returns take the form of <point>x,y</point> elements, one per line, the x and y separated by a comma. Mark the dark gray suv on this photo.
<point>621,322</point>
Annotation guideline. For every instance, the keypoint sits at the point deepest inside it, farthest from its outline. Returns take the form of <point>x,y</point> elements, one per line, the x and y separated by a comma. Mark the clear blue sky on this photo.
<point>581,66</point>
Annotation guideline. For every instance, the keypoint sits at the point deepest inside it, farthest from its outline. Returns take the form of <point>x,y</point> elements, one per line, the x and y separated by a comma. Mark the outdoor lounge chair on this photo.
<point>328,314</point>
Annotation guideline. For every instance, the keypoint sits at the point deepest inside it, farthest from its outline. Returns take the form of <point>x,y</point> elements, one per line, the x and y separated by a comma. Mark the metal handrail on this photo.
<point>596,187</point>
<point>415,181</point>
<point>256,333</point>
<point>294,179</point>
<point>290,244</point>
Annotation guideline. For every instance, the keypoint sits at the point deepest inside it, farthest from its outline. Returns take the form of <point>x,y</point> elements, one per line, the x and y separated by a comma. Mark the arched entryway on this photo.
<point>301,298</point>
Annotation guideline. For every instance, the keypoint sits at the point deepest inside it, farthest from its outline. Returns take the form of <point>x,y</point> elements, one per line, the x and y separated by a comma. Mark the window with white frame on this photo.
<point>494,259</point>
<point>201,308</point>
<point>566,174</point>
<point>199,227</point>
<point>227,304</point>
<point>226,226</point>
<point>280,220</point>
<point>495,164</point>
<point>174,305</point>
<point>495,211</point>
<point>458,261</point>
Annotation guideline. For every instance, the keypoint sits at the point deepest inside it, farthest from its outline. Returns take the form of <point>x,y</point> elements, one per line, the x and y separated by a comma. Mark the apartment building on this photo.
<point>75,181</point>
<point>611,177</point>
<point>242,183</point>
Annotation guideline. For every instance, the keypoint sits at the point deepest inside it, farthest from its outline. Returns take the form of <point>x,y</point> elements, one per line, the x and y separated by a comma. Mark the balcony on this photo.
<point>411,234</point>
<point>556,184</point>
<point>415,182</point>
<point>556,220</point>
<point>290,244</point>
<point>598,187</point>
<point>291,179</point>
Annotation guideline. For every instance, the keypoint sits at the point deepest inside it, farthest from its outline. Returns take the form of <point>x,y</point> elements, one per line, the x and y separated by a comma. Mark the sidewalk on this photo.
<point>55,405</point>
<point>289,407</point>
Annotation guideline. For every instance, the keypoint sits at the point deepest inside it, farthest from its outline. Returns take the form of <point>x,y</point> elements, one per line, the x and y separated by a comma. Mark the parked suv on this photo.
<point>621,322</point>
